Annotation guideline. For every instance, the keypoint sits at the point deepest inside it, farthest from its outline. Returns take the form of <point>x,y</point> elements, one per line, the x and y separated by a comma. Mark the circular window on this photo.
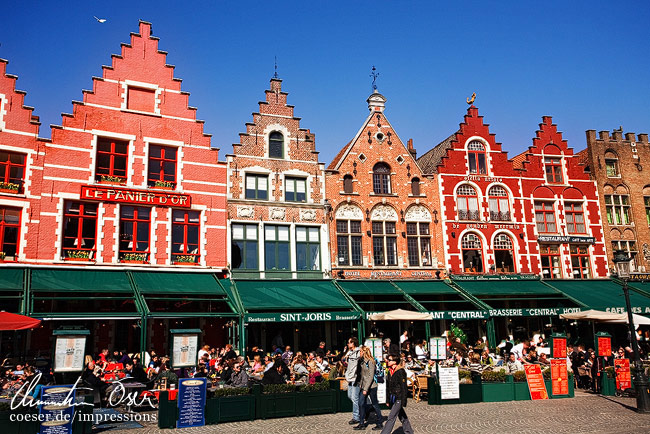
<point>380,137</point>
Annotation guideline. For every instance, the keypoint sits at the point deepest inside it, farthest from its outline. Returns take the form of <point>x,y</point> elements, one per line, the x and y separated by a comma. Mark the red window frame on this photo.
<point>584,272</point>
<point>4,226</point>
<point>78,239</point>
<point>501,214</point>
<point>510,249</point>
<point>113,154</point>
<point>554,175</point>
<point>466,199</point>
<point>185,224</point>
<point>574,210</point>
<point>545,211</point>
<point>7,165</point>
<point>137,220</point>
<point>546,252</point>
<point>162,174</point>
<point>477,158</point>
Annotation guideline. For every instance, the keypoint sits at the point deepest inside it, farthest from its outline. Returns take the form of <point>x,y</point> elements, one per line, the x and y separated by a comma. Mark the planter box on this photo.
<point>607,385</point>
<point>469,394</point>
<point>277,405</point>
<point>167,411</point>
<point>8,191</point>
<point>499,392</point>
<point>77,259</point>
<point>229,409</point>
<point>319,402</point>
<point>521,391</point>
<point>132,261</point>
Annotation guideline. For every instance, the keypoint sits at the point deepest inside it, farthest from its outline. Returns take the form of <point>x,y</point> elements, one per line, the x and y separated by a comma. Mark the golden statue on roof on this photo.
<point>470,101</point>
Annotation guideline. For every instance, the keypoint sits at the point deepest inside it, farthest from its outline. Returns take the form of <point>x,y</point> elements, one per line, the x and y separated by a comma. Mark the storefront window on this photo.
<point>580,261</point>
<point>307,248</point>
<point>384,243</point>
<point>244,247</point>
<point>575,218</point>
<point>467,201</point>
<point>550,256</point>
<point>295,189</point>
<point>418,242</point>
<point>9,233</point>
<point>476,157</point>
<point>257,187</point>
<point>12,171</point>
<point>348,242</point>
<point>185,236</point>
<point>162,166</point>
<point>499,206</point>
<point>553,170</point>
<point>111,160</point>
<point>617,207</point>
<point>504,256</point>
<point>79,230</point>
<point>545,217</point>
<point>472,251</point>
<point>134,233</point>
<point>276,248</point>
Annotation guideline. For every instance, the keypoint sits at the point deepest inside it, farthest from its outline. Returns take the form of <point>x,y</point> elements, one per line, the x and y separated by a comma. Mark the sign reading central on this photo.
<point>138,197</point>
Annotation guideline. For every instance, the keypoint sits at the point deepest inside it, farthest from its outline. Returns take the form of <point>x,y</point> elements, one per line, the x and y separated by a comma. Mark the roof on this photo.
<point>340,155</point>
<point>583,156</point>
<point>430,160</point>
<point>518,160</point>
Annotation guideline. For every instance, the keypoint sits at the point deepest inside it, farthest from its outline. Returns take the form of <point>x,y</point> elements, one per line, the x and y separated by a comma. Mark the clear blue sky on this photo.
<point>586,63</point>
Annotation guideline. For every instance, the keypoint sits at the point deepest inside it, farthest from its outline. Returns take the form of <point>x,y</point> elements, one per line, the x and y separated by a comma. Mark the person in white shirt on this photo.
<point>420,351</point>
<point>404,337</point>
<point>322,364</point>
<point>519,349</point>
<point>205,350</point>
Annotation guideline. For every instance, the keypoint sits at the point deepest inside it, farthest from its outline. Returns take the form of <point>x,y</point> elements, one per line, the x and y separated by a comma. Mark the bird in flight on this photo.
<point>100,20</point>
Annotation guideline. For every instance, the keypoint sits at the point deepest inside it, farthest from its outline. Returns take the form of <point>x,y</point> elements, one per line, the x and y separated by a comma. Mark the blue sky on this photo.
<point>586,63</point>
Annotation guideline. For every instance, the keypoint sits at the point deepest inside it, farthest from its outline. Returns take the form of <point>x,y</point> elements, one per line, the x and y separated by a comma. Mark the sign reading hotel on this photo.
<point>136,197</point>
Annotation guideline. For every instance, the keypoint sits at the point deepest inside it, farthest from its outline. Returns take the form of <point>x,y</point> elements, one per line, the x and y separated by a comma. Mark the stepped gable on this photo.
<point>14,114</point>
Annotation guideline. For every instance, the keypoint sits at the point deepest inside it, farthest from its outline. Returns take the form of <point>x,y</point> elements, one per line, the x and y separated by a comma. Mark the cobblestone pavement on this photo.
<point>584,413</point>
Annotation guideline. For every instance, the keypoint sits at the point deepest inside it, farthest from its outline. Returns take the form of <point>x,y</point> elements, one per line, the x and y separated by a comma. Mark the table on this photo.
<point>129,387</point>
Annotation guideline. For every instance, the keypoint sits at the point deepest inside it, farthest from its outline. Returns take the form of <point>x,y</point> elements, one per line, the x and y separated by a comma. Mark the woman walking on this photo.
<point>367,390</point>
<point>397,394</point>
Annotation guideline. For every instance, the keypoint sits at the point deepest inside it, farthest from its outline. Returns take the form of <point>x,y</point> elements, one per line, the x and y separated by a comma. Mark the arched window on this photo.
<point>472,253</point>
<point>499,204</point>
<point>504,255</point>
<point>415,186</point>
<point>347,184</point>
<point>611,164</point>
<point>381,178</point>
<point>467,203</point>
<point>476,157</point>
<point>553,165</point>
<point>575,218</point>
<point>276,145</point>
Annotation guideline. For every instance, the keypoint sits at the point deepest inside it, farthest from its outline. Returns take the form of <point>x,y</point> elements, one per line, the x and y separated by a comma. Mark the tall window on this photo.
<point>348,186</point>
<point>575,218</point>
<point>646,201</point>
<point>418,241</point>
<point>545,217</point>
<point>295,189</point>
<point>504,254</point>
<point>348,242</point>
<point>381,178</point>
<point>257,187</point>
<point>186,226</point>
<point>553,170</point>
<point>307,248</point>
<point>9,233</point>
<point>384,243</point>
<point>467,202</point>
<point>12,172</point>
<point>472,253</point>
<point>415,186</point>
<point>629,246</point>
<point>162,166</point>
<point>111,160</point>
<point>580,261</point>
<point>79,230</point>
<point>244,247</point>
<point>499,204</point>
<point>550,255</point>
<point>611,165</point>
<point>476,157</point>
<point>618,209</point>
<point>276,248</point>
<point>134,233</point>
<point>276,145</point>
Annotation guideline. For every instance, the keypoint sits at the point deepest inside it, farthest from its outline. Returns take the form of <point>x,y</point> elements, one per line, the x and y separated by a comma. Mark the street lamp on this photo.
<point>622,261</point>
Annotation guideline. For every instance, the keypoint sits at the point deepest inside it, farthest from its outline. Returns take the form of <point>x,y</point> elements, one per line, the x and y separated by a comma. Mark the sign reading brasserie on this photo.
<point>137,197</point>
<point>302,317</point>
<point>564,239</point>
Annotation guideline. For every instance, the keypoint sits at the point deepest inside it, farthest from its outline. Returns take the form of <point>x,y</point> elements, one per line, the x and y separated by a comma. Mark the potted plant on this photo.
<point>316,398</point>
<point>608,382</point>
<point>497,386</point>
<point>9,187</point>
<point>2,256</point>
<point>185,259</point>
<point>112,179</point>
<point>276,400</point>
<point>230,404</point>
<point>134,258</point>
<point>77,255</point>
<point>165,185</point>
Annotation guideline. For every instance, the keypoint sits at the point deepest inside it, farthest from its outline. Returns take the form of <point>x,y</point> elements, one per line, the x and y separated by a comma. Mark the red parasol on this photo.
<point>12,321</point>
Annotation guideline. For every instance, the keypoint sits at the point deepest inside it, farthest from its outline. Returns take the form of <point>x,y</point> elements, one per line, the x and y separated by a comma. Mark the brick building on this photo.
<point>384,220</point>
<point>276,196</point>
<point>618,164</point>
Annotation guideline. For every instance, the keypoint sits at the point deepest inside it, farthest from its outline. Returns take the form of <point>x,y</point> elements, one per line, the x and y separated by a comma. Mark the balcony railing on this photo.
<point>500,216</point>
<point>469,215</point>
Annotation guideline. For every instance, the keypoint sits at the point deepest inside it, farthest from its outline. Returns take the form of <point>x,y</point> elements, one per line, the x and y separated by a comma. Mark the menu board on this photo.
<point>191,402</point>
<point>559,377</point>
<point>559,348</point>
<point>437,348</point>
<point>69,353</point>
<point>185,350</point>
<point>604,346</point>
<point>377,351</point>
<point>56,418</point>
<point>449,383</point>
<point>623,377</point>
<point>535,381</point>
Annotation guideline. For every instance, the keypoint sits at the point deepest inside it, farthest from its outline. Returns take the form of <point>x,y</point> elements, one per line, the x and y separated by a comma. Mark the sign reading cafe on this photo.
<point>136,197</point>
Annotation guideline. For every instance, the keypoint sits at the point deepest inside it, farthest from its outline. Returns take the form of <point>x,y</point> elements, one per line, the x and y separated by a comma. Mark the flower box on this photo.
<point>281,402</point>
<point>230,408</point>
<point>469,393</point>
<point>134,258</point>
<point>113,180</point>
<point>9,190</point>
<point>185,260</point>
<point>164,185</point>
<point>316,399</point>
<point>498,391</point>
<point>133,261</point>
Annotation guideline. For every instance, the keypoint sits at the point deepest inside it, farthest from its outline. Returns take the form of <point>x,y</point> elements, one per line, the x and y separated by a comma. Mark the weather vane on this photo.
<point>275,75</point>
<point>470,101</point>
<point>374,76</point>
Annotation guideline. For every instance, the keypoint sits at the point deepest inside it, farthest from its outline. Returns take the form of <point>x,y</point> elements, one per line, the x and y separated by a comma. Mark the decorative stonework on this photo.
<point>646,252</point>
<point>417,213</point>
<point>245,211</point>
<point>349,212</point>
<point>277,213</point>
<point>383,212</point>
<point>307,215</point>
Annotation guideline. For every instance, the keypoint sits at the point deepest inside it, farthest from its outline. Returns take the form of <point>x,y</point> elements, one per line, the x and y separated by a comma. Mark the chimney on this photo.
<point>412,151</point>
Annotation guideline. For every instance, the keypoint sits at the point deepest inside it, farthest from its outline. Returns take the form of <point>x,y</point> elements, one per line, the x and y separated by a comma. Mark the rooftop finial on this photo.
<point>275,75</point>
<point>374,74</point>
<point>471,100</point>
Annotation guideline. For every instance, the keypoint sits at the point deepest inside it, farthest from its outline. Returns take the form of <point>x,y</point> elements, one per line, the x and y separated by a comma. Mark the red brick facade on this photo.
<point>384,221</point>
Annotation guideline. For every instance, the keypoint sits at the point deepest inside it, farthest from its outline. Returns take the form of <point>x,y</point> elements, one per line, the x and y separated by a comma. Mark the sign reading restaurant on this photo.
<point>301,317</point>
<point>135,197</point>
<point>563,239</point>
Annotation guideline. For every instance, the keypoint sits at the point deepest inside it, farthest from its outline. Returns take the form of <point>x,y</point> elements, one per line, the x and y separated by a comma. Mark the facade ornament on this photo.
<point>471,100</point>
<point>384,212</point>
<point>308,215</point>
<point>277,213</point>
<point>646,252</point>
<point>349,212</point>
<point>245,211</point>
<point>417,213</point>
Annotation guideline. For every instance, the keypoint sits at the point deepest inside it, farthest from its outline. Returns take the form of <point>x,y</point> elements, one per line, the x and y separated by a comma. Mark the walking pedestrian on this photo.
<point>368,387</point>
<point>352,359</point>
<point>397,393</point>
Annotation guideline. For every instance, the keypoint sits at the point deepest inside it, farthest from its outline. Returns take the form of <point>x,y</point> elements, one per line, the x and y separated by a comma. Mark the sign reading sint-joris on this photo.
<point>137,197</point>
<point>301,317</point>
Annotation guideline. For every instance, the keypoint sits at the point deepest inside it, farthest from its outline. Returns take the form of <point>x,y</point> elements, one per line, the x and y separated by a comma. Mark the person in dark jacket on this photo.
<point>368,389</point>
<point>135,372</point>
<point>274,375</point>
<point>397,394</point>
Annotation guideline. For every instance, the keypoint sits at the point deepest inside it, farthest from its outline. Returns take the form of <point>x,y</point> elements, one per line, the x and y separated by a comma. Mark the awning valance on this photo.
<point>373,287</point>
<point>505,287</point>
<point>177,283</point>
<point>602,294</point>
<point>11,279</point>
<point>426,287</point>
<point>305,295</point>
<point>53,280</point>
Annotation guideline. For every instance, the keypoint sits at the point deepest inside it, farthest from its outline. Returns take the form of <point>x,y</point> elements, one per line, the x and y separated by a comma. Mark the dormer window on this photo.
<point>415,186</point>
<point>348,186</point>
<point>476,158</point>
<point>553,170</point>
<point>276,145</point>
<point>381,178</point>
<point>111,162</point>
<point>611,165</point>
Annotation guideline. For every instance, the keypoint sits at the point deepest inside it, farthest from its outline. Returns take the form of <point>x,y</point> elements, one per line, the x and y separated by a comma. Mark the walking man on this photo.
<point>397,394</point>
<point>352,358</point>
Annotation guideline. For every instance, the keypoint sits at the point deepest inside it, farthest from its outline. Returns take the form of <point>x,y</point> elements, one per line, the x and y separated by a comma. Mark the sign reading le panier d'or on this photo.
<point>137,197</point>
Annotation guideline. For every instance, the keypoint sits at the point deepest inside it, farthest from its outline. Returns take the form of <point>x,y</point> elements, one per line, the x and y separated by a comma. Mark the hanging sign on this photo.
<point>69,352</point>
<point>55,410</point>
<point>449,383</point>
<point>559,377</point>
<point>437,348</point>
<point>191,402</point>
<point>623,377</point>
<point>558,345</point>
<point>535,381</point>
<point>136,197</point>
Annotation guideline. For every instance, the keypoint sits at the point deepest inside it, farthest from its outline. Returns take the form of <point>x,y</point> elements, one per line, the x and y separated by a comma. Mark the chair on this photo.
<point>423,386</point>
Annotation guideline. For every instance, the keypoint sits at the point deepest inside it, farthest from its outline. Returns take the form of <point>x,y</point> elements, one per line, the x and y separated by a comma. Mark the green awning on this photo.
<point>370,287</point>
<point>505,287</point>
<point>11,279</point>
<point>177,283</point>
<point>52,280</point>
<point>311,295</point>
<point>425,287</point>
<point>602,294</point>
